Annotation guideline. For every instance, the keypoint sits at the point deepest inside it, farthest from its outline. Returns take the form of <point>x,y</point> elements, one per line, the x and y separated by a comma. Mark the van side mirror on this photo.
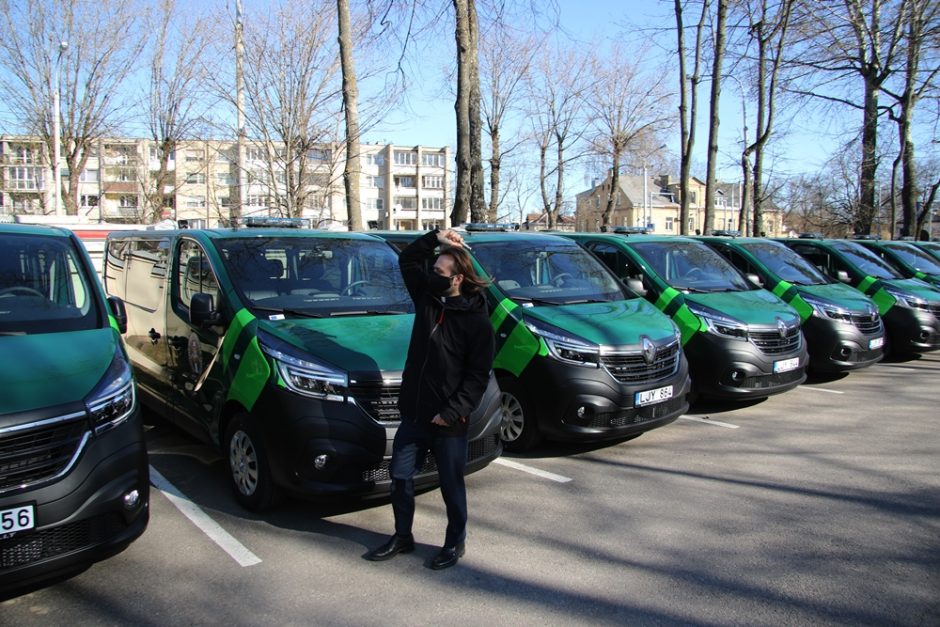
<point>202,312</point>
<point>637,286</point>
<point>843,276</point>
<point>119,312</point>
<point>754,279</point>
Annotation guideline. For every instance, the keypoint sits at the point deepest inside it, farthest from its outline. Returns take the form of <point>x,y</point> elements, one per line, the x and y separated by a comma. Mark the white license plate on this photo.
<point>648,397</point>
<point>878,342</point>
<point>17,519</point>
<point>786,365</point>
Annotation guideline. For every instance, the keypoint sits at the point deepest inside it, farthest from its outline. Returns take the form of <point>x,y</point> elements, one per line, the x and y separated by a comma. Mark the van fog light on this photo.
<point>844,352</point>
<point>320,461</point>
<point>131,500</point>
<point>737,376</point>
<point>582,411</point>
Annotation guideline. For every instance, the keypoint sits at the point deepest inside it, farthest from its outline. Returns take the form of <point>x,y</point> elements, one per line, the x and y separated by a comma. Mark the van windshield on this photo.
<point>867,261</point>
<point>691,266</point>
<point>785,263</point>
<point>44,286</point>
<point>547,272</point>
<point>915,258</point>
<point>315,277</point>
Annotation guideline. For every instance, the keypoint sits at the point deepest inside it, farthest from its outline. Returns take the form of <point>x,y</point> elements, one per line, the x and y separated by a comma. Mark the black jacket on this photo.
<point>451,351</point>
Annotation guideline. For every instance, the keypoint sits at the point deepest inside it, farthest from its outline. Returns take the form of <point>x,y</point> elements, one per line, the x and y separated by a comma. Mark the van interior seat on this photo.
<point>262,278</point>
<point>311,280</point>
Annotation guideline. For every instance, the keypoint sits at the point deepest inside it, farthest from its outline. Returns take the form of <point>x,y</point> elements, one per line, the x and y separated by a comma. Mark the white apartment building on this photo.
<point>400,187</point>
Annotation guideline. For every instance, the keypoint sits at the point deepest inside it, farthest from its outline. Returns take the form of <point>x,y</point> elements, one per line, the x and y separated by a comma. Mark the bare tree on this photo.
<point>625,106</point>
<point>176,103</point>
<point>469,195</point>
<point>351,168</point>
<point>711,186</point>
<point>93,67</point>
<point>688,102</point>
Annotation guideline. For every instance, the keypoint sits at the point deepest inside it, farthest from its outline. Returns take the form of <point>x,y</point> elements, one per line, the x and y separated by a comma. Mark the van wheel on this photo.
<point>519,429</point>
<point>248,465</point>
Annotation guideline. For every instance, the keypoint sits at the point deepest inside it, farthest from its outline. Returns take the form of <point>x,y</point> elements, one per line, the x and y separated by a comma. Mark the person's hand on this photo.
<point>450,237</point>
<point>440,422</point>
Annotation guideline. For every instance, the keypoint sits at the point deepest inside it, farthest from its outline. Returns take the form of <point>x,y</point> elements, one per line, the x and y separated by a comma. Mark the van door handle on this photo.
<point>154,336</point>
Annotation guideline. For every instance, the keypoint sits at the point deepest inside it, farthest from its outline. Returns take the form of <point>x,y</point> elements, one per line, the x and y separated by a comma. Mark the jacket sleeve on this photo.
<point>413,260</point>
<point>477,366</point>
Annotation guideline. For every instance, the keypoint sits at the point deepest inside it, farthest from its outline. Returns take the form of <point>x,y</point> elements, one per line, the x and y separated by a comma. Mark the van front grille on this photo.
<point>633,367</point>
<point>379,400</point>
<point>869,324</point>
<point>773,343</point>
<point>33,454</point>
<point>43,544</point>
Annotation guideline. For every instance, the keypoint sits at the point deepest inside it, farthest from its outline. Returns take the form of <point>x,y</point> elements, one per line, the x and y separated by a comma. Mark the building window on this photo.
<point>375,158</point>
<point>406,202</point>
<point>127,202</point>
<point>88,176</point>
<point>256,200</point>
<point>196,178</point>
<point>26,178</point>
<point>225,201</point>
<point>691,225</point>
<point>155,154</point>
<point>225,178</point>
<point>406,157</point>
<point>433,159</point>
<point>432,203</point>
<point>254,153</point>
<point>195,202</point>
<point>375,181</point>
<point>693,198</point>
<point>319,154</point>
<point>89,200</point>
<point>404,181</point>
<point>669,222</point>
<point>194,155</point>
<point>432,182</point>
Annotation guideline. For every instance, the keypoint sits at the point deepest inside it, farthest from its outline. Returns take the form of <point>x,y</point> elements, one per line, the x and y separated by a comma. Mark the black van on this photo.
<point>74,478</point>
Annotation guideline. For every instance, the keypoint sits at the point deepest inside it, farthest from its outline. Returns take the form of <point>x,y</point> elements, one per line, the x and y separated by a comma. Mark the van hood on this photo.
<point>915,287</point>
<point>752,307</point>
<point>841,295</point>
<point>616,323</point>
<point>364,346</point>
<point>49,369</point>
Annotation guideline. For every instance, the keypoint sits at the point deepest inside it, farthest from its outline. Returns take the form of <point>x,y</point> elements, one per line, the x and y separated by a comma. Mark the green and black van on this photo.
<point>842,327</point>
<point>74,478</point>
<point>909,307</point>
<point>284,347</point>
<point>911,261</point>
<point>578,357</point>
<point>932,248</point>
<point>742,342</point>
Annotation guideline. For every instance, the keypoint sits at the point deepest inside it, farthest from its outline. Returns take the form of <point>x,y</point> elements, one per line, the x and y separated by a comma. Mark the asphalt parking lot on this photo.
<point>818,506</point>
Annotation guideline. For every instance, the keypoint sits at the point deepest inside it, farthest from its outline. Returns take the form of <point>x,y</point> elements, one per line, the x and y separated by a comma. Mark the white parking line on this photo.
<point>807,387</point>
<point>709,421</point>
<point>532,471</point>
<point>216,533</point>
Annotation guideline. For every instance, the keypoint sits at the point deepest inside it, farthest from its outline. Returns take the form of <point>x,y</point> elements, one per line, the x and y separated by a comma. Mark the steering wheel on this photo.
<point>694,274</point>
<point>557,280</point>
<point>22,289</point>
<point>347,291</point>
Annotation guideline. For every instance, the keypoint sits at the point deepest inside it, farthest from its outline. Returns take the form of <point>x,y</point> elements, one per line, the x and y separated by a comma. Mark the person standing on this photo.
<point>446,373</point>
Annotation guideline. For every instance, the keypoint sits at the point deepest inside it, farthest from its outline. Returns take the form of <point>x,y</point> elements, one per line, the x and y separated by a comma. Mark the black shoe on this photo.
<point>447,557</point>
<point>390,549</point>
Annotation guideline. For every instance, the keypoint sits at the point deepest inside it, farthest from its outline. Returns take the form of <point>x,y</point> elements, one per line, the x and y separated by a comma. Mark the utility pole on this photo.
<point>236,211</point>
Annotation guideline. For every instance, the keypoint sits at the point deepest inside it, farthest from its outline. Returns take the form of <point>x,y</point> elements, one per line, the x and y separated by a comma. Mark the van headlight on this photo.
<point>827,309</point>
<point>308,377</point>
<point>114,398</point>
<point>719,324</point>
<point>907,300</point>
<point>564,346</point>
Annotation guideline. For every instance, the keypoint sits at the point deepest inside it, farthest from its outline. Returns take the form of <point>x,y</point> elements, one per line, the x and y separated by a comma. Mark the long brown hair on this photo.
<point>472,282</point>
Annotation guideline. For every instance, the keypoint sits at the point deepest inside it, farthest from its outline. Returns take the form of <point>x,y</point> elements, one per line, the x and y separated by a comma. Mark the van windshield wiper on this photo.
<point>581,301</point>
<point>368,312</point>
<point>293,312</point>
<point>535,301</point>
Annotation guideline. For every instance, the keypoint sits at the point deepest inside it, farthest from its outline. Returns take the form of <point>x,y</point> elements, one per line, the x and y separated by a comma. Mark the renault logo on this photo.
<point>781,328</point>
<point>649,350</point>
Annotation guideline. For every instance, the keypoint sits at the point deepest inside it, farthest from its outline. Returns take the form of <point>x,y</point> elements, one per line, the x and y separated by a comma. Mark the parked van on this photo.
<point>842,327</point>
<point>578,357</point>
<point>911,261</point>
<point>932,248</point>
<point>74,480</point>
<point>284,347</point>
<point>742,342</point>
<point>908,307</point>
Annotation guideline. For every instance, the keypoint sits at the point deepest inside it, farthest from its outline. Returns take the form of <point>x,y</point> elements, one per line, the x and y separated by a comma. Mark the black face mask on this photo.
<point>439,285</point>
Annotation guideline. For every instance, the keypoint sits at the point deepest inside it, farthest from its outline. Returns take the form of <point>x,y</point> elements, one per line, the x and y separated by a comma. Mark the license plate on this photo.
<point>786,365</point>
<point>17,519</point>
<point>648,397</point>
<point>878,342</point>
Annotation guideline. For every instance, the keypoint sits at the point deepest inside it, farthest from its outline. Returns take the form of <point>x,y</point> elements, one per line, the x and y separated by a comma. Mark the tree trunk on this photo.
<point>495,165</point>
<point>559,182</point>
<point>477,182</point>
<point>351,105</point>
<point>711,184</point>
<point>462,109</point>
<point>869,165</point>
<point>612,193</point>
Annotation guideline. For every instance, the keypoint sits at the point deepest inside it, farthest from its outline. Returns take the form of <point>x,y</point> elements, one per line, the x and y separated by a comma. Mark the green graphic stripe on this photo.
<point>114,324</point>
<point>920,275</point>
<point>874,289</point>
<point>672,303</point>
<point>243,319</point>
<point>253,373</point>
<point>790,295</point>
<point>518,349</point>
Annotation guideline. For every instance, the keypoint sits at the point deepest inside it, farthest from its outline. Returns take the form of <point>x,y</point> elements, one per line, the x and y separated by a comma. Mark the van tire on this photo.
<point>248,465</point>
<point>519,429</point>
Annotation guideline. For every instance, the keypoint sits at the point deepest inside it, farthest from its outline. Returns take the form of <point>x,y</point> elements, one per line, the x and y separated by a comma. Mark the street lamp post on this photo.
<point>56,135</point>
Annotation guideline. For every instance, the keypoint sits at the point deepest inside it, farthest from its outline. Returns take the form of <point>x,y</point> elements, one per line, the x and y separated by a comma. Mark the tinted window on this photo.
<point>315,276</point>
<point>555,272</point>
<point>691,266</point>
<point>785,263</point>
<point>195,275</point>
<point>867,261</point>
<point>916,258</point>
<point>44,287</point>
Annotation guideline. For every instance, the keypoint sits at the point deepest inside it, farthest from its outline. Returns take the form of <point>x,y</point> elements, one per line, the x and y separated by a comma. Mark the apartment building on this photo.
<point>129,180</point>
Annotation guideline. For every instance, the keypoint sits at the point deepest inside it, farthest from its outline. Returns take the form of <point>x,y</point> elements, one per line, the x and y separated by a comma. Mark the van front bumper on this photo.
<point>836,346</point>
<point>84,517</point>
<point>912,330</point>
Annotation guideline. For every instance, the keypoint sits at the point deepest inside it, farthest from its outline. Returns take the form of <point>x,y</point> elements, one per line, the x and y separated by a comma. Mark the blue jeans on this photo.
<point>409,450</point>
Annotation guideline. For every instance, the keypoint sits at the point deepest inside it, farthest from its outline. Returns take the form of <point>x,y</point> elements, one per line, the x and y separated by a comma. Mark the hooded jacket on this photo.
<point>450,355</point>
